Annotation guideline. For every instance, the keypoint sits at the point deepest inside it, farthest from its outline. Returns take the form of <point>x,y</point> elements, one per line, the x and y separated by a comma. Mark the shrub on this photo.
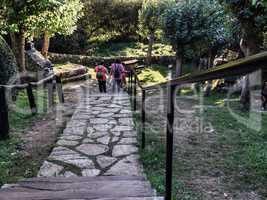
<point>8,65</point>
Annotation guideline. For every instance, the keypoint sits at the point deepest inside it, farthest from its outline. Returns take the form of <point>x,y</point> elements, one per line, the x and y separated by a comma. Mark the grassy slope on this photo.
<point>153,75</point>
<point>248,149</point>
<point>153,157</point>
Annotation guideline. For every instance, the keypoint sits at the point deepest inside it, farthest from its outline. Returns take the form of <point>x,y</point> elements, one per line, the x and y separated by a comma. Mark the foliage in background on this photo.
<point>17,17</point>
<point>192,26</point>
<point>252,16</point>
<point>103,21</point>
<point>111,17</point>
<point>62,21</point>
<point>149,22</point>
<point>130,49</point>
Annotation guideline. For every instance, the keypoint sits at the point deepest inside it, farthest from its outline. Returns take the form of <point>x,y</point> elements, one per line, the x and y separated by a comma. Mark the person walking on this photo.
<point>116,72</point>
<point>101,76</point>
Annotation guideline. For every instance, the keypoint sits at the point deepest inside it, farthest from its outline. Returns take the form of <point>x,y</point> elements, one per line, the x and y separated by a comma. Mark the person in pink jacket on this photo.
<point>101,76</point>
<point>116,72</point>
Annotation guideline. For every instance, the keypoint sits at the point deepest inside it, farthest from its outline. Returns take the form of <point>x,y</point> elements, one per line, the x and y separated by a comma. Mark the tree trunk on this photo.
<point>208,87</point>
<point>249,47</point>
<point>21,51</point>
<point>14,45</point>
<point>46,44</point>
<point>150,48</point>
<point>178,68</point>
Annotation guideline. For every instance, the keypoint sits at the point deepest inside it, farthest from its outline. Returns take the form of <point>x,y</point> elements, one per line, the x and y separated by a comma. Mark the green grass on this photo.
<point>244,150</point>
<point>12,166</point>
<point>20,116</point>
<point>130,49</point>
<point>153,75</point>
<point>153,160</point>
<point>249,149</point>
<point>8,156</point>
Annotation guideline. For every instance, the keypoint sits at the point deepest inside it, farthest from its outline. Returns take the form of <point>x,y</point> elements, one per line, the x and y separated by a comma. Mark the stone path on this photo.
<point>99,140</point>
<point>95,158</point>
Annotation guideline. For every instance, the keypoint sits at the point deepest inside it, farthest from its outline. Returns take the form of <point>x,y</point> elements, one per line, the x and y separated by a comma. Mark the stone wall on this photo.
<point>91,61</point>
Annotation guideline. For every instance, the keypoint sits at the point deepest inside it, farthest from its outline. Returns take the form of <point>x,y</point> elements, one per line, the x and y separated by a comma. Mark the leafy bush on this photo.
<point>131,49</point>
<point>8,65</point>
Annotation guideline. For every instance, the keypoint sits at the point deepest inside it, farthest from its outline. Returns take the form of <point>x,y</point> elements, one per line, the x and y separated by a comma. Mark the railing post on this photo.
<point>4,123</point>
<point>169,145</point>
<point>31,99</point>
<point>50,91</point>
<point>135,91</point>
<point>143,118</point>
<point>60,90</point>
<point>129,81</point>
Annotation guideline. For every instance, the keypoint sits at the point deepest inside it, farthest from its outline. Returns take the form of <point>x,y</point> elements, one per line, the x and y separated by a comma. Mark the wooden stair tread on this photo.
<point>101,188</point>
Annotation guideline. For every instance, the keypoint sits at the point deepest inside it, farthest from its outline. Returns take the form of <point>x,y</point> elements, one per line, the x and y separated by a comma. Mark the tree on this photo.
<point>218,34</point>
<point>252,16</point>
<point>62,21</point>
<point>17,17</point>
<point>111,17</point>
<point>187,25</point>
<point>149,22</point>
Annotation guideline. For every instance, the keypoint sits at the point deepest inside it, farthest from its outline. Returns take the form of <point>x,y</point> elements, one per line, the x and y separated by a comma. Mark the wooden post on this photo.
<point>131,78</point>
<point>135,91</point>
<point>31,99</point>
<point>60,90</point>
<point>169,145</point>
<point>143,119</point>
<point>50,90</point>
<point>4,123</point>
<point>129,81</point>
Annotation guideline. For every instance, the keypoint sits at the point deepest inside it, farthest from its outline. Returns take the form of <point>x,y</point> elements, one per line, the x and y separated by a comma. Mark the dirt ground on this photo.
<point>199,157</point>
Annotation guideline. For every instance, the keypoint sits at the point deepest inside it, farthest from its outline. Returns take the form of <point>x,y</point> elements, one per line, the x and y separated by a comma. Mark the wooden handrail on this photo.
<point>235,68</point>
<point>232,69</point>
<point>130,62</point>
<point>33,84</point>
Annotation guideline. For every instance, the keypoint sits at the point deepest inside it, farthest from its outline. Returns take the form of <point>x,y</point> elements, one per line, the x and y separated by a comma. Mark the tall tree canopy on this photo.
<point>192,26</point>
<point>252,16</point>
<point>62,21</point>
<point>111,16</point>
<point>149,21</point>
<point>18,20</point>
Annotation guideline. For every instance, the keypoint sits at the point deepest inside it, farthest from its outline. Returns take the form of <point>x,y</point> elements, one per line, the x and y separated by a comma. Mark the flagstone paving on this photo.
<point>96,157</point>
<point>99,140</point>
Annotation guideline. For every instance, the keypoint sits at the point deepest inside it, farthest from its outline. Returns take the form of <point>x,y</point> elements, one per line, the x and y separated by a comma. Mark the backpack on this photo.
<point>117,71</point>
<point>99,73</point>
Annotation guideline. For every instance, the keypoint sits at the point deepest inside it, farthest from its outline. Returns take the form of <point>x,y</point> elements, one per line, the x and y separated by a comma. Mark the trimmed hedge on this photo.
<point>8,64</point>
<point>91,61</point>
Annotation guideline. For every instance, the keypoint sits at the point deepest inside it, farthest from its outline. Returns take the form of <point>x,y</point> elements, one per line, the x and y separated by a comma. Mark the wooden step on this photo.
<point>59,188</point>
